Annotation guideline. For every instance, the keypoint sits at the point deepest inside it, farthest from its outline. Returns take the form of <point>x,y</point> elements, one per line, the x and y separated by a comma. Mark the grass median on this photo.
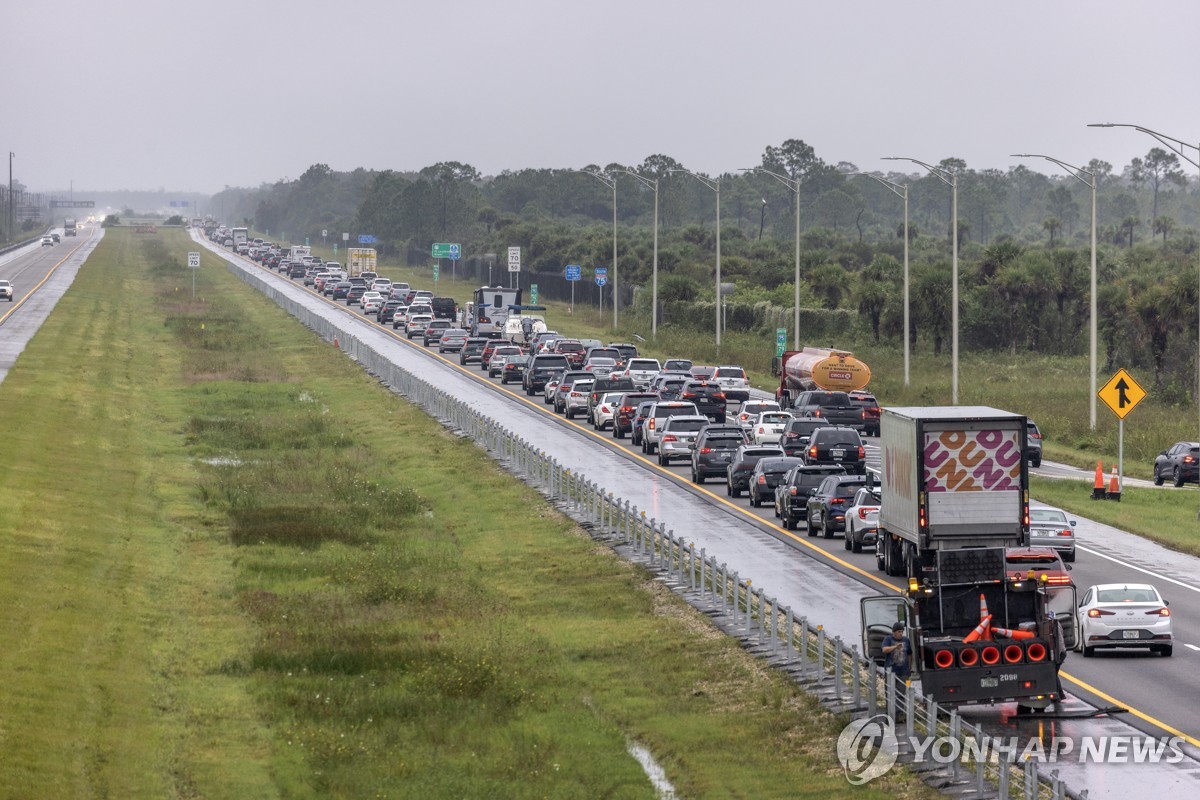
<point>236,566</point>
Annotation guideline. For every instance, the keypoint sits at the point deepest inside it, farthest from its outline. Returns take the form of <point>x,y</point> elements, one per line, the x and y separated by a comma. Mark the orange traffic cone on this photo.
<point>980,630</point>
<point>1114,486</point>
<point>1009,633</point>
<point>983,609</point>
<point>1098,487</point>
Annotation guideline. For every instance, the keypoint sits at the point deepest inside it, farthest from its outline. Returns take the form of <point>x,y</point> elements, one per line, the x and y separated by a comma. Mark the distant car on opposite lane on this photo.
<point>1180,463</point>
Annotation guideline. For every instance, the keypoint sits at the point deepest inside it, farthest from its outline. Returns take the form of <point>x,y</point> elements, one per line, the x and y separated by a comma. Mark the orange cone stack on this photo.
<point>1114,486</point>
<point>1098,487</point>
<point>981,630</point>
<point>1009,633</point>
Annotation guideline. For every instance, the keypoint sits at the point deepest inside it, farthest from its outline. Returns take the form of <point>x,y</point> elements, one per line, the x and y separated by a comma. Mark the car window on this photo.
<point>1127,595</point>
<point>688,424</point>
<point>726,441</point>
<point>730,372</point>
<point>1046,515</point>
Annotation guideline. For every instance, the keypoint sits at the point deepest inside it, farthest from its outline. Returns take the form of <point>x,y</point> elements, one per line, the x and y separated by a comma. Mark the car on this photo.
<point>541,367</point>
<point>55,237</point>
<point>514,368</point>
<point>827,505</point>
<point>47,241</point>
<point>434,330</point>
<point>714,449</point>
<point>626,410</point>
<point>576,397</point>
<point>1051,527</point>
<point>641,371</point>
<point>799,431</point>
<point>400,317</point>
<point>388,312</point>
<point>677,436</point>
<point>559,398</point>
<point>452,340</point>
<point>870,411</point>
<point>602,352</point>
<point>741,466</point>
<point>837,445</point>
<point>371,302</point>
<point>1120,615</point>
<point>602,414</point>
<point>656,420</point>
<point>1180,462</point>
<point>639,421</point>
<point>6,290</point>
<point>627,351</point>
<point>382,285</point>
<point>319,280</point>
<point>767,474</point>
<point>862,519</point>
<point>1033,443</point>
<point>792,493</point>
<point>495,363</point>
<point>354,295</point>
<point>669,387</point>
<point>572,349</point>
<point>341,289</point>
<point>310,277</point>
<point>603,386</point>
<point>769,427</point>
<point>1036,562</point>
<point>600,366</point>
<point>552,386</point>
<point>472,349</point>
<point>751,409</point>
<point>708,397</point>
<point>733,382</point>
<point>416,325</point>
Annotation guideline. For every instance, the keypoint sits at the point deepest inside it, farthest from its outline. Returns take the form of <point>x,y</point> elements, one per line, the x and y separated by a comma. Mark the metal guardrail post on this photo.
<point>1028,779</point>
<point>956,735</point>
<point>910,710</point>
<point>773,638</point>
<point>1002,781</point>
<point>788,629</point>
<point>820,652</point>
<point>804,644</point>
<point>692,566</point>
<point>872,685</point>
<point>837,668</point>
<point>856,678</point>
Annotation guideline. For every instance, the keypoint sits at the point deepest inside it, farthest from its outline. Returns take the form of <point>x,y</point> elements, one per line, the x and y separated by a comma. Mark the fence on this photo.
<point>842,678</point>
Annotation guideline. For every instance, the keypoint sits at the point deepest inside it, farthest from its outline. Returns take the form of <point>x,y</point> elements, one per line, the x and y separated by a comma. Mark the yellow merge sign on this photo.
<point>1121,393</point>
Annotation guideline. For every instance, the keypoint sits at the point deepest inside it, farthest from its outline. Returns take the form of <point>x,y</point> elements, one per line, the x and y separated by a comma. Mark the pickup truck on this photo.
<point>834,407</point>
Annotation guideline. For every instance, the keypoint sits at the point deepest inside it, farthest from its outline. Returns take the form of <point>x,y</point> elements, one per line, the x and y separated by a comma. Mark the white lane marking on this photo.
<point>1193,647</point>
<point>1139,569</point>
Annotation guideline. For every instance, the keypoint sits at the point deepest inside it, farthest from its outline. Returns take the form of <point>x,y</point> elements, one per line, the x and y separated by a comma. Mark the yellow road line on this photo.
<point>53,269</point>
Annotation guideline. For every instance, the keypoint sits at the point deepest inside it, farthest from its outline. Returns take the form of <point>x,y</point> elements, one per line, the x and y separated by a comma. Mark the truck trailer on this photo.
<point>819,368</point>
<point>360,260</point>
<point>70,227</point>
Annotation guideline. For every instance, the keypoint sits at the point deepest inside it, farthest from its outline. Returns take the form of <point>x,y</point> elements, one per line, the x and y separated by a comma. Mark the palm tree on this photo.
<point>1164,225</point>
<point>1052,226</point>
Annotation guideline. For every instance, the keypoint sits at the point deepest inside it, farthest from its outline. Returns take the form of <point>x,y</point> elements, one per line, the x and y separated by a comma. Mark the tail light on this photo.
<point>1035,436</point>
<point>812,451</point>
<point>669,438</point>
<point>1065,532</point>
<point>1189,459</point>
<point>705,450</point>
<point>1160,612</point>
<point>762,429</point>
<point>577,394</point>
<point>1099,612</point>
<point>626,409</point>
<point>862,453</point>
<point>604,409</point>
<point>762,480</point>
<point>650,423</point>
<point>719,395</point>
<point>816,412</point>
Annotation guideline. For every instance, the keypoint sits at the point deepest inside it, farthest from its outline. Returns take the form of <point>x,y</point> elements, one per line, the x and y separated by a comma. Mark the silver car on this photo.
<point>677,437</point>
<point>577,397</point>
<point>641,371</point>
<point>1051,527</point>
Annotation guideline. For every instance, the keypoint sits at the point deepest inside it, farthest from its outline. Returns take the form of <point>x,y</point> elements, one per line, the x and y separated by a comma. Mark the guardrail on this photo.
<point>842,678</point>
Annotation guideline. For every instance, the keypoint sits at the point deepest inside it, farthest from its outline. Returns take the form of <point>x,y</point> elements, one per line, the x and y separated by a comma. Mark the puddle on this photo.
<point>658,778</point>
<point>222,461</point>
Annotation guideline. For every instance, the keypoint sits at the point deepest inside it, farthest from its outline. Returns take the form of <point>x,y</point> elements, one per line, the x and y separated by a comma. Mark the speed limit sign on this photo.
<point>194,260</point>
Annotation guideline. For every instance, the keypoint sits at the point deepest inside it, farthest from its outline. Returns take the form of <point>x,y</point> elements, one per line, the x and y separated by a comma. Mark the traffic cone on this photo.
<point>983,609</point>
<point>1009,633</point>
<point>980,630</point>
<point>1098,487</point>
<point>1114,486</point>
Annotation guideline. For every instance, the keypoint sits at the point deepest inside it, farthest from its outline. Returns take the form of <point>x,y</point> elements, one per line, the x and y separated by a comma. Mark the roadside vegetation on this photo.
<point>237,566</point>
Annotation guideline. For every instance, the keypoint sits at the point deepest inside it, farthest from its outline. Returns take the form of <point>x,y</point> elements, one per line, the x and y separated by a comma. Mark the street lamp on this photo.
<point>610,182</point>
<point>11,156</point>
<point>1177,146</point>
<point>950,179</point>
<point>901,191</point>
<point>653,184</point>
<point>715,185</point>
<point>1077,173</point>
<point>794,185</point>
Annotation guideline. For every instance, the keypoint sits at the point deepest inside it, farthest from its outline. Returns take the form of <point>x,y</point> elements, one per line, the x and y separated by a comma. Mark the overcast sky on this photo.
<point>148,94</point>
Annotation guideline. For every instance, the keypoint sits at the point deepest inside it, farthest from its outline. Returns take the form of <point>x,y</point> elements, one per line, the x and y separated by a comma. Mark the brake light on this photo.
<point>762,480</point>
<point>1035,436</point>
<point>816,412</point>
<point>1161,612</point>
<point>705,450</point>
<point>812,451</point>
<point>669,438</point>
<point>1099,612</point>
<point>1064,532</point>
<point>862,453</point>
<point>719,395</point>
<point>1189,459</point>
<point>626,409</point>
<point>650,422</point>
<point>863,511</point>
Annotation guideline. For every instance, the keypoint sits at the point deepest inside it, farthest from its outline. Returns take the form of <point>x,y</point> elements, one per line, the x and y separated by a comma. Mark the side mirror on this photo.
<point>691,447</point>
<point>1072,523</point>
<point>1068,566</point>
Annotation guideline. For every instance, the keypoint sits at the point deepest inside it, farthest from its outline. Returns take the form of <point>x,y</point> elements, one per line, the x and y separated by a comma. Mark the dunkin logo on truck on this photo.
<point>972,461</point>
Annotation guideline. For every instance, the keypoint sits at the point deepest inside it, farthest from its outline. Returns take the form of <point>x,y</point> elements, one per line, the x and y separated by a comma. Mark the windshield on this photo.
<point>643,364</point>
<point>730,372</point>
<point>1046,515</point>
<point>1128,594</point>
<point>688,425</point>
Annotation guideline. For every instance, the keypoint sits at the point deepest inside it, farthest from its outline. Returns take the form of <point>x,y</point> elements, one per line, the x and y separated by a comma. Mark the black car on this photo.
<point>714,449</point>
<point>354,295</point>
<point>792,495</point>
<point>741,466</point>
<point>841,446</point>
<point>541,367</point>
<point>342,289</point>
<point>297,271</point>
<point>709,399</point>
<point>603,386</point>
<point>827,505</point>
<point>473,349</point>
<point>870,409</point>
<point>1180,463</point>
<point>626,410</point>
<point>389,310</point>
<point>514,369</point>
<point>795,438</point>
<point>639,420</point>
<point>767,474</point>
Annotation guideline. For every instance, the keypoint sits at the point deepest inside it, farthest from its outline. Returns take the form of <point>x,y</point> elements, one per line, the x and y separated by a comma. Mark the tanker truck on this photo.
<point>819,368</point>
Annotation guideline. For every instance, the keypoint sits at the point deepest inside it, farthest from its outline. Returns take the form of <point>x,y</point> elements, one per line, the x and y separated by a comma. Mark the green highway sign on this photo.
<point>780,341</point>
<point>533,294</point>
<point>446,250</point>
<point>436,269</point>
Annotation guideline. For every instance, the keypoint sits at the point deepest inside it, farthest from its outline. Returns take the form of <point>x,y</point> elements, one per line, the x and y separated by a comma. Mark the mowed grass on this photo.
<point>235,566</point>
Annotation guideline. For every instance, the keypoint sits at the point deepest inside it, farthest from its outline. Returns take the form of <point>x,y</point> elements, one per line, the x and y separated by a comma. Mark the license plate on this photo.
<point>837,453</point>
<point>989,683</point>
<point>1132,634</point>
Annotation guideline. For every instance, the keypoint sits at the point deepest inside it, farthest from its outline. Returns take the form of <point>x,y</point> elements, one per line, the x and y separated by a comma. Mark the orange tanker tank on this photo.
<point>822,368</point>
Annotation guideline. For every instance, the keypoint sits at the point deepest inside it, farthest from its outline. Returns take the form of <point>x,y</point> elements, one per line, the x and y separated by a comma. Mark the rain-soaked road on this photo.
<point>818,578</point>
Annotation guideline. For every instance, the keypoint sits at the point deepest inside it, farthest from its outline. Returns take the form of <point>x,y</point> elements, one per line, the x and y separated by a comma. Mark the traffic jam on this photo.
<point>822,456</point>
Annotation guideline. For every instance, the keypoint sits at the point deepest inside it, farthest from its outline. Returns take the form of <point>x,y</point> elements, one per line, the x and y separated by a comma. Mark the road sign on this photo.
<point>436,269</point>
<point>193,260</point>
<point>574,272</point>
<point>601,276</point>
<point>366,238</point>
<point>514,259</point>
<point>345,237</point>
<point>306,242</point>
<point>780,341</point>
<point>452,251</point>
<point>72,203</point>
<point>1121,394</point>
<point>324,233</point>
<point>533,294</point>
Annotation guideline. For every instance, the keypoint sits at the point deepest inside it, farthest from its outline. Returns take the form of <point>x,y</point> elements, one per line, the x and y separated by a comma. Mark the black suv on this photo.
<point>741,466</point>
<point>795,439</point>
<point>709,399</point>
<point>626,410</point>
<point>714,449</point>
<point>792,494</point>
<point>540,368</point>
<point>768,473</point>
<point>827,505</point>
<point>603,386</point>
<point>1181,463</point>
<point>841,446</point>
<point>473,349</point>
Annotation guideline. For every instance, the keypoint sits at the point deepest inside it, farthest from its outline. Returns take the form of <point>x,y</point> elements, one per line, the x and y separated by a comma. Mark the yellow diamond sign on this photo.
<point>1121,393</point>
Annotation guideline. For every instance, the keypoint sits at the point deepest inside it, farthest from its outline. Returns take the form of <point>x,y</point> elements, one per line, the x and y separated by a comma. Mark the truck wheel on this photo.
<point>734,491</point>
<point>787,522</point>
<point>699,477</point>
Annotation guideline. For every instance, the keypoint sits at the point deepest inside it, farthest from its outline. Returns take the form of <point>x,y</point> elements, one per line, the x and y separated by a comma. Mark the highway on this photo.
<point>820,578</point>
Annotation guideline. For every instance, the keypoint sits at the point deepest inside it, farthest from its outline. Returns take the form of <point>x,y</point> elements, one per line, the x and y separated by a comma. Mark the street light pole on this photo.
<point>901,191</point>
<point>794,185</point>
<point>715,185</point>
<point>11,236</point>
<point>653,184</point>
<point>950,179</point>
<point>1177,146</point>
<point>1077,173</point>
<point>610,182</point>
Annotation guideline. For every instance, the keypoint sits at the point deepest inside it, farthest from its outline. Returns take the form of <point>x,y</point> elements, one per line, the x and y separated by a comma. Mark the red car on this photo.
<point>1021,562</point>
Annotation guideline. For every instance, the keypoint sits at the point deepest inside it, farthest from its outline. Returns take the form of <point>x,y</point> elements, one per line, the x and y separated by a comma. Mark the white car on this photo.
<point>734,383</point>
<point>641,371</point>
<point>47,241</point>
<point>862,520</point>
<point>768,428</point>
<point>606,409</point>
<point>371,302</point>
<point>417,323</point>
<point>750,410</point>
<point>382,285</point>
<point>1124,615</point>
<point>1050,527</point>
<point>577,397</point>
<point>6,290</point>
<point>601,367</point>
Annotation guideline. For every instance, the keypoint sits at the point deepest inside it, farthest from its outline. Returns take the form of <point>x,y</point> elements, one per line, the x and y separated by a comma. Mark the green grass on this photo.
<point>235,566</point>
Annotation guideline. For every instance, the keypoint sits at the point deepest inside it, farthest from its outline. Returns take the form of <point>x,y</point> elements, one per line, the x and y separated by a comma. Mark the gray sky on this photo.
<point>146,94</point>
